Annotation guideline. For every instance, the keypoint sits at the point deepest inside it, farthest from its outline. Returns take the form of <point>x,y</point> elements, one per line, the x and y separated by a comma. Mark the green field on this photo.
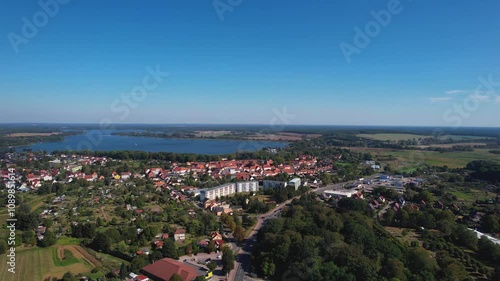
<point>68,241</point>
<point>36,264</point>
<point>461,137</point>
<point>398,137</point>
<point>393,137</point>
<point>414,158</point>
<point>473,194</point>
<point>67,259</point>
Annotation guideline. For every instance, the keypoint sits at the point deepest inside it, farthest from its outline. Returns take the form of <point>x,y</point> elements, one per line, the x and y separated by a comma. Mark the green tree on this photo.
<point>211,247</point>
<point>102,242</point>
<point>29,237</point>
<point>491,223</point>
<point>268,268</point>
<point>175,277</point>
<point>123,270</point>
<point>114,235</point>
<point>49,239</point>
<point>138,262</point>
<point>420,260</point>
<point>239,234</point>
<point>200,278</point>
<point>169,250</point>
<point>227,260</point>
<point>68,276</point>
<point>394,268</point>
<point>155,256</point>
<point>26,219</point>
<point>211,266</point>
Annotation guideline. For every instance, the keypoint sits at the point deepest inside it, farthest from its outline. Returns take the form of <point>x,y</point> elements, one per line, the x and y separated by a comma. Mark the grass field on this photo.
<point>413,158</point>
<point>407,237</point>
<point>63,257</point>
<point>393,137</point>
<point>461,137</point>
<point>37,264</point>
<point>68,241</point>
<point>398,137</point>
<point>473,194</point>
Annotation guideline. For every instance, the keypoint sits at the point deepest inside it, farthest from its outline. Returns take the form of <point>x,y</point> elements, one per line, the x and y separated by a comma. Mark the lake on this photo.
<point>105,141</point>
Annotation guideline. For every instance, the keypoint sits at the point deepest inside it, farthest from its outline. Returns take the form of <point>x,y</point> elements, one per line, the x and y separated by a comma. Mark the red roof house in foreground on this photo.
<point>163,269</point>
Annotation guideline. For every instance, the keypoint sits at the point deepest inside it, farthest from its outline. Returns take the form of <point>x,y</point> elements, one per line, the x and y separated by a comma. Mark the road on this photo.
<point>243,254</point>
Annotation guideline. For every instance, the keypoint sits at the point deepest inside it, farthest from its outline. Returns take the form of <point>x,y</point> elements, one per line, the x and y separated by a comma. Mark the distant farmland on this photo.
<point>393,137</point>
<point>457,159</point>
<point>399,137</point>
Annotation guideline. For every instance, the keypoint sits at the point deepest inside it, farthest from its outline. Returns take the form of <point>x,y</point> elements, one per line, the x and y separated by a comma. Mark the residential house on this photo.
<point>180,235</point>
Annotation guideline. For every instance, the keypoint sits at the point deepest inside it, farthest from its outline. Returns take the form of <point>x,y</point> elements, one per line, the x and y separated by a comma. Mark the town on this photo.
<point>154,219</point>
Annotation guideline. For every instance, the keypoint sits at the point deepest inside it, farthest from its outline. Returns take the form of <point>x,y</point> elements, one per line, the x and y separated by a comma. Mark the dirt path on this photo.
<point>105,214</point>
<point>81,253</point>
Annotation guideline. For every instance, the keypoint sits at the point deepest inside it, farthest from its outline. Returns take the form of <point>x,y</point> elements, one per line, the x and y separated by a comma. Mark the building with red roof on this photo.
<point>163,270</point>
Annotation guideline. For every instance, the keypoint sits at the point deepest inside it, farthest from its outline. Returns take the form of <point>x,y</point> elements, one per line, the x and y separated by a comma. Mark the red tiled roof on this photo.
<point>165,268</point>
<point>180,231</point>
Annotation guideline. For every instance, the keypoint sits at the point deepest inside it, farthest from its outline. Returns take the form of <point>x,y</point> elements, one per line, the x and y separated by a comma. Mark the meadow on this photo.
<point>36,264</point>
<point>392,137</point>
<point>413,158</point>
<point>398,137</point>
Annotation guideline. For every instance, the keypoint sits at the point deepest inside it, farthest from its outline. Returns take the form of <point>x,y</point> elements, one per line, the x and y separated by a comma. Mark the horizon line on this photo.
<point>242,124</point>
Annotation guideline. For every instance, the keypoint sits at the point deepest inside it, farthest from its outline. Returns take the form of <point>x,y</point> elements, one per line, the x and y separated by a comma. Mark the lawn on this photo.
<point>36,264</point>
<point>68,241</point>
<point>463,195</point>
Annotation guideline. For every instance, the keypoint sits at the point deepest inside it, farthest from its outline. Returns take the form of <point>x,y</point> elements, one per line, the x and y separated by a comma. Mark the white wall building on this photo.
<point>248,186</point>
<point>295,183</point>
<point>228,189</point>
<point>274,184</point>
<point>339,193</point>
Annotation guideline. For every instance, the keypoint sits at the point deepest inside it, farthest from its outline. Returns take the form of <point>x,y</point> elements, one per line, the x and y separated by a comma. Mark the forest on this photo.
<point>312,241</point>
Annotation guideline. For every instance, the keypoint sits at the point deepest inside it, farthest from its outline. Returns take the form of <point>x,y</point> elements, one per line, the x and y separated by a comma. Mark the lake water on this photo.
<point>105,141</point>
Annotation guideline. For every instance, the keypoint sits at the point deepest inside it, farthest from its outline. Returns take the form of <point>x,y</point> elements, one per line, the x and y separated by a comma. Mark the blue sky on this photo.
<point>260,57</point>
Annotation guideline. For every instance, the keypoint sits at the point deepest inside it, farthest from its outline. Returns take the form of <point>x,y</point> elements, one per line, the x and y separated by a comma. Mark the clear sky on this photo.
<point>245,63</point>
